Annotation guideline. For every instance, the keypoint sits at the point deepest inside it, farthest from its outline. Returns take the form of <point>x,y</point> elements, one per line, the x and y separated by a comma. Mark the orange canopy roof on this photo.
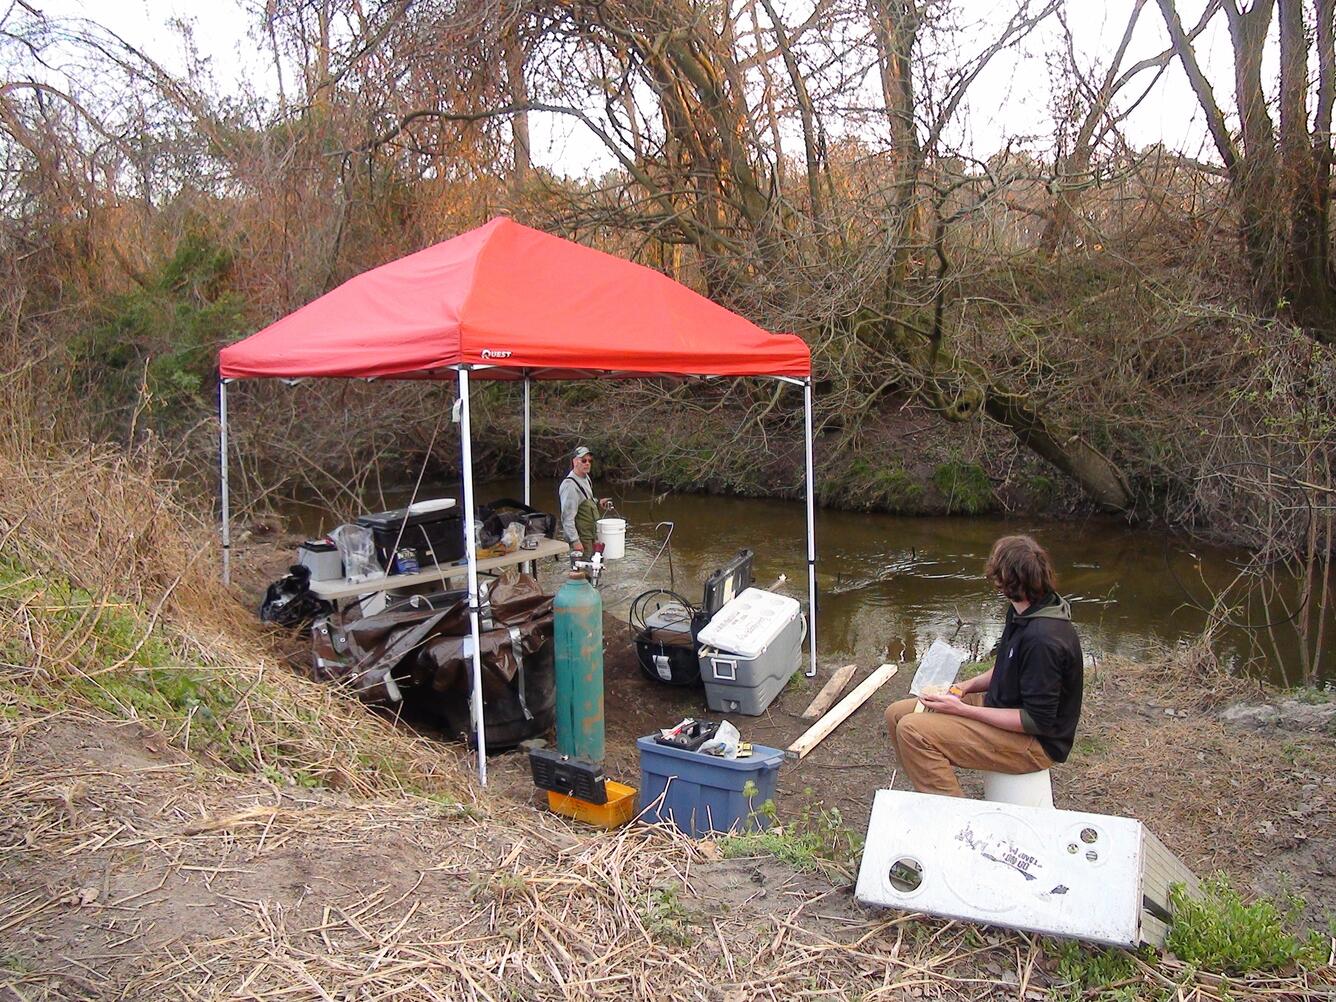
<point>514,298</point>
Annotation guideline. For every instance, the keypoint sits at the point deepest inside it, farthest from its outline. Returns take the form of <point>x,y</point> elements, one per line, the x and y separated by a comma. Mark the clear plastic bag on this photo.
<point>938,668</point>
<point>512,537</point>
<point>357,546</point>
<point>724,743</point>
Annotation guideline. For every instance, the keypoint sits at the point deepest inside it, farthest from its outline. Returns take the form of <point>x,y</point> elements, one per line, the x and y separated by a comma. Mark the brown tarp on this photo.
<point>430,649</point>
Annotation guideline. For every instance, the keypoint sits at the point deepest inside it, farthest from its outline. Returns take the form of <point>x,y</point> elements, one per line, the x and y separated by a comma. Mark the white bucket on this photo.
<point>612,534</point>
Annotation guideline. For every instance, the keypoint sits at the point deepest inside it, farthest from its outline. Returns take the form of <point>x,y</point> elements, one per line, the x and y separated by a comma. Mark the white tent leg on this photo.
<point>471,551</point>
<point>811,526</point>
<point>527,470</point>
<point>222,464</point>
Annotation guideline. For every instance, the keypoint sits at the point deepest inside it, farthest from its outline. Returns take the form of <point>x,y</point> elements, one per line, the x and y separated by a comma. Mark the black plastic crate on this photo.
<point>572,776</point>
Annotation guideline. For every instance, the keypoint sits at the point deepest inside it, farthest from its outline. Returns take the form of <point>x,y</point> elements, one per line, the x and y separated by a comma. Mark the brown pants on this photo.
<point>930,746</point>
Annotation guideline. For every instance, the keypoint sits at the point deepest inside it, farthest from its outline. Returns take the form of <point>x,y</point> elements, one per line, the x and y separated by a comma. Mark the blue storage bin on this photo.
<point>702,793</point>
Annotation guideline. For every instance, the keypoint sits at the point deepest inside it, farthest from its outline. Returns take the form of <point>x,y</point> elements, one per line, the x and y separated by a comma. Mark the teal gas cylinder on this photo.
<point>578,626</point>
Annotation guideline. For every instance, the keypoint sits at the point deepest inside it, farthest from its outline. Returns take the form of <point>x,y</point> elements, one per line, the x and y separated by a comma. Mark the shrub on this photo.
<point>1085,973</point>
<point>164,332</point>
<point>1220,931</point>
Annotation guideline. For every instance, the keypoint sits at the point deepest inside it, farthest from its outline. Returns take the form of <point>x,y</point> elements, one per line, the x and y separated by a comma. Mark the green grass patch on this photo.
<point>1311,695</point>
<point>112,658</point>
<point>798,682</point>
<point>1086,973</point>
<point>17,963</point>
<point>817,840</point>
<point>666,919</point>
<point>1224,933</point>
<point>970,669</point>
<point>64,646</point>
<point>965,487</point>
<point>1089,744</point>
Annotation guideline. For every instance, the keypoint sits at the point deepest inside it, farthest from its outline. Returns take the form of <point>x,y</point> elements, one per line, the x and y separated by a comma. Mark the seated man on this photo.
<point>1020,715</point>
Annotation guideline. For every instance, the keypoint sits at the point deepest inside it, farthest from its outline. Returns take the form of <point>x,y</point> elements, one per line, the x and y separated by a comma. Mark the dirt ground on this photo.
<point>129,871</point>
<point>1257,805</point>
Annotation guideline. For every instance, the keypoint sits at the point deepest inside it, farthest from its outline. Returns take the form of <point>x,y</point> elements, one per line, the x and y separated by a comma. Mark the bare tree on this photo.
<point>1279,176</point>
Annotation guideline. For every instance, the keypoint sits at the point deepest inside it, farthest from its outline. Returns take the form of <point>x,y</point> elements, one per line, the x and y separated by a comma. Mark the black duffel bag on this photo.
<point>289,601</point>
<point>495,517</point>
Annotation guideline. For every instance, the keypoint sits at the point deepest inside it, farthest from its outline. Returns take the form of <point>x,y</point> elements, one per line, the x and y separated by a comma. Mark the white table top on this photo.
<point>342,588</point>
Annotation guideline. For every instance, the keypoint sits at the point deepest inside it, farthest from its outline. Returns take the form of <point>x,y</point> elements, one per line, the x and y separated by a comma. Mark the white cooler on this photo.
<point>749,650</point>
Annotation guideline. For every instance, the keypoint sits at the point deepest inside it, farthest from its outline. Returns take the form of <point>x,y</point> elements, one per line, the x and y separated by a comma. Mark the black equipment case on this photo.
<point>666,646</point>
<point>435,537</point>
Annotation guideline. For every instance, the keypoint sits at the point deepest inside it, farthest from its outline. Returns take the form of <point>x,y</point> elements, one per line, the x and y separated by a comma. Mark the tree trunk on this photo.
<point>1101,479</point>
<point>895,26</point>
<point>1305,180</point>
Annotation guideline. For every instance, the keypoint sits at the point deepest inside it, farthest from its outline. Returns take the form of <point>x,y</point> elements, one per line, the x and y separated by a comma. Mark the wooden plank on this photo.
<point>818,732</point>
<point>341,588</point>
<point>829,692</point>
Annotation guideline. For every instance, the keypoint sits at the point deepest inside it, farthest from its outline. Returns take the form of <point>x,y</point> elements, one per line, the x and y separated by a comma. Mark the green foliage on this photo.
<point>1093,973</point>
<point>1222,932</point>
<point>972,668</point>
<point>865,486</point>
<point>1042,489</point>
<point>1312,695</point>
<point>899,491</point>
<point>112,656</point>
<point>798,682</point>
<point>16,963</point>
<point>665,917</point>
<point>128,668</point>
<point>163,333</point>
<point>818,840</point>
<point>496,886</point>
<point>965,486</point>
<point>1088,744</point>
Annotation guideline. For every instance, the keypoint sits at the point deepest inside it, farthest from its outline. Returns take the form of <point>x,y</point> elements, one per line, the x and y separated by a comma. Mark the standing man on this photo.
<point>579,507</point>
<point>1020,715</point>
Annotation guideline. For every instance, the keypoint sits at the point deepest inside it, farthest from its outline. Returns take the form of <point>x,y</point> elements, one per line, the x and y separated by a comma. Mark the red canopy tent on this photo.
<point>505,301</point>
<point>517,301</point>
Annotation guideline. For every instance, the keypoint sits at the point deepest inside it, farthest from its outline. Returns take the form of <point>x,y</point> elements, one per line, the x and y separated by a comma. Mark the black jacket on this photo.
<point>1039,672</point>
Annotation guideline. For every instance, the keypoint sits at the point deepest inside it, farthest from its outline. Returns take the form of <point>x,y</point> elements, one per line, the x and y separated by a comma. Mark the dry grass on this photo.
<point>222,888</point>
<point>112,598</point>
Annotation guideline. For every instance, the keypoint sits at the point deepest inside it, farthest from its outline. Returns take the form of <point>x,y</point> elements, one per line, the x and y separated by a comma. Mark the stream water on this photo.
<point>889,584</point>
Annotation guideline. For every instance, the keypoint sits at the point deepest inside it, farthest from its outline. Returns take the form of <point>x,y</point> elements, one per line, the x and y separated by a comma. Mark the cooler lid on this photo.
<point>431,504</point>
<point>748,624</point>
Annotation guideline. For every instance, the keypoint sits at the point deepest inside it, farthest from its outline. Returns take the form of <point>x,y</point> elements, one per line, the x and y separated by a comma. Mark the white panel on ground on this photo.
<point>1064,873</point>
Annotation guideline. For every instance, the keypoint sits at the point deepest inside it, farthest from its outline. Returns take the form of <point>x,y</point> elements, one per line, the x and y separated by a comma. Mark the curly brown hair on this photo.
<point>1021,568</point>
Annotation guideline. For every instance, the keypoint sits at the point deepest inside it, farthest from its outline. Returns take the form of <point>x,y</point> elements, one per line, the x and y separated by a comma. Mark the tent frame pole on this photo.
<point>528,473</point>
<point>222,466</point>
<point>471,552</point>
<point>811,524</point>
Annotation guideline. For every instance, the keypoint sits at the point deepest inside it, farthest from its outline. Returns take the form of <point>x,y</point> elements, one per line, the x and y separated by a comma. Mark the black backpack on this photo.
<point>289,601</point>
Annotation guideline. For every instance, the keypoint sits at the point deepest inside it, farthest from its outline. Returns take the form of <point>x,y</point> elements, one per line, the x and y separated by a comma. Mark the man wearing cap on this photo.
<point>579,507</point>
